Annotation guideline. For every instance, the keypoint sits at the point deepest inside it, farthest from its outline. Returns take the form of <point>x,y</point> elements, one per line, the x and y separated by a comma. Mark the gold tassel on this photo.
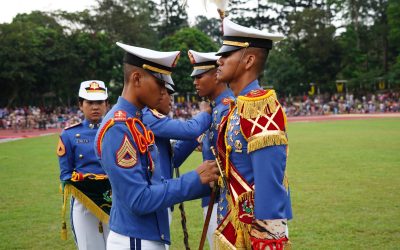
<point>89,204</point>
<point>251,107</point>
<point>287,245</point>
<point>64,231</point>
<point>265,141</point>
<point>100,227</point>
<point>63,209</point>
<point>239,240</point>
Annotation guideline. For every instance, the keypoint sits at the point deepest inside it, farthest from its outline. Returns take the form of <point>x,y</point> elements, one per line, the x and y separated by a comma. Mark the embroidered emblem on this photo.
<point>226,101</point>
<point>126,154</point>
<point>60,148</point>
<point>120,116</point>
<point>157,114</point>
<point>238,146</point>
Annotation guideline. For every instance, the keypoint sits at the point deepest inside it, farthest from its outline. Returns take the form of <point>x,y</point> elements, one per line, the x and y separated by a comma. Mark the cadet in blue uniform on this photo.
<point>252,142</point>
<point>166,129</point>
<point>81,173</point>
<point>126,149</point>
<point>206,85</point>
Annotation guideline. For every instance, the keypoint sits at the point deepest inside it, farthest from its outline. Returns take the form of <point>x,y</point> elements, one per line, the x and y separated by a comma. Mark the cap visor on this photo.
<point>162,77</point>
<point>197,72</point>
<point>95,97</point>
<point>227,49</point>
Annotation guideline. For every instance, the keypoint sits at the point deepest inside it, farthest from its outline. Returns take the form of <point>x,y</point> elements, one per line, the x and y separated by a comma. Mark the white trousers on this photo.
<point>85,227</point>
<point>117,241</point>
<point>213,223</point>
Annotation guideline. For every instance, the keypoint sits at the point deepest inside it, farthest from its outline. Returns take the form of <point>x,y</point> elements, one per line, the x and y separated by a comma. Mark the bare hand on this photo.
<point>208,171</point>
<point>205,107</point>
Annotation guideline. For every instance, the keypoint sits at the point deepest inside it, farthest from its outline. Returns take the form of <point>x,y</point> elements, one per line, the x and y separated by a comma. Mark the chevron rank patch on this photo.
<point>126,154</point>
<point>60,148</point>
<point>157,114</point>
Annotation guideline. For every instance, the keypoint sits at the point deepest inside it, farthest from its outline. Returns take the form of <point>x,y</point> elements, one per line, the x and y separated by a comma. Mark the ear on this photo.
<point>135,78</point>
<point>250,61</point>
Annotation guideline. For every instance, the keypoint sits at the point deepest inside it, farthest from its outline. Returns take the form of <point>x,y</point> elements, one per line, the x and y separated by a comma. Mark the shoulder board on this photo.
<point>227,101</point>
<point>157,114</point>
<point>257,93</point>
<point>120,116</point>
<point>257,102</point>
<point>73,125</point>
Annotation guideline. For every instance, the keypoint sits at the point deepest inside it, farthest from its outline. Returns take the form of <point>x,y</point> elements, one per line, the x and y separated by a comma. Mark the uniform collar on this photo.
<point>132,110</point>
<point>218,100</point>
<point>253,85</point>
<point>88,124</point>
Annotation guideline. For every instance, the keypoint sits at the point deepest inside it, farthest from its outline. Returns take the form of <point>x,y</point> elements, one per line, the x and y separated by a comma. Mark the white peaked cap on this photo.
<point>202,61</point>
<point>236,37</point>
<point>93,90</point>
<point>158,63</point>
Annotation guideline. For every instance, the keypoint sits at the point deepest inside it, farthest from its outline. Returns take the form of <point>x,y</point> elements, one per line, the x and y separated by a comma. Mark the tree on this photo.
<point>183,40</point>
<point>172,17</point>
<point>211,27</point>
<point>31,59</point>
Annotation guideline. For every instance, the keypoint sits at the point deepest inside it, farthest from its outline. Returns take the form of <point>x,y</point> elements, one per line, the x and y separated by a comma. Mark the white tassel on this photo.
<point>221,4</point>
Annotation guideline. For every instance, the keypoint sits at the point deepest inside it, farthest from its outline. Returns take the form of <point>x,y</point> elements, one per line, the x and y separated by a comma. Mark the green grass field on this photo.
<point>344,178</point>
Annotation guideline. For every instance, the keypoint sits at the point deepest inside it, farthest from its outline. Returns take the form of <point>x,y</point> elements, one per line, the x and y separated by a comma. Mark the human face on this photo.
<point>153,91</point>
<point>165,104</point>
<point>229,66</point>
<point>206,83</point>
<point>93,110</point>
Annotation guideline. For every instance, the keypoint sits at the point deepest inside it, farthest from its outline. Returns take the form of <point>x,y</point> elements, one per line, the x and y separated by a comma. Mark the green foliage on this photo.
<point>183,40</point>
<point>45,56</point>
<point>173,17</point>
<point>212,27</point>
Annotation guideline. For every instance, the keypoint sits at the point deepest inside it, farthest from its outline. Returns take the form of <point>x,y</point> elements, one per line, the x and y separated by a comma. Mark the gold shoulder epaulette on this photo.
<point>73,125</point>
<point>257,102</point>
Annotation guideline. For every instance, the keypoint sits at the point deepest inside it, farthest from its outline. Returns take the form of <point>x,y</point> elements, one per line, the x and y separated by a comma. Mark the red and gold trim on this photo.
<point>103,130</point>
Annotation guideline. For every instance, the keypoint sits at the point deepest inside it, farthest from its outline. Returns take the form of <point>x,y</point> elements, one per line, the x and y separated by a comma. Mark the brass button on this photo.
<point>78,135</point>
<point>80,156</point>
<point>162,236</point>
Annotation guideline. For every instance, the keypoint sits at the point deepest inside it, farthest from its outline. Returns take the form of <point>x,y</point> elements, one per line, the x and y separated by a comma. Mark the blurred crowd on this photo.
<point>31,117</point>
<point>42,118</point>
<point>342,104</point>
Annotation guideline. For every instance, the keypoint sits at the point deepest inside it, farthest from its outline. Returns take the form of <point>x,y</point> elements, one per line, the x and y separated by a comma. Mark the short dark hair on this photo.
<point>261,58</point>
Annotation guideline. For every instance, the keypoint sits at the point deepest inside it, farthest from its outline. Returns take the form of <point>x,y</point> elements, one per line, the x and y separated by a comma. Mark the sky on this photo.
<point>9,9</point>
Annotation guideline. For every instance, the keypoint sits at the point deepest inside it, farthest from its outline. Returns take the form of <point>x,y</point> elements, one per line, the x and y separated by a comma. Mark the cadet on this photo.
<point>81,173</point>
<point>165,129</point>
<point>252,142</point>
<point>126,149</point>
<point>204,74</point>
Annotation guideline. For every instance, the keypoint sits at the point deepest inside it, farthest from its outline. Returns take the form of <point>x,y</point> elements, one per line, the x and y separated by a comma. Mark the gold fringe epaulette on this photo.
<point>265,141</point>
<point>250,107</point>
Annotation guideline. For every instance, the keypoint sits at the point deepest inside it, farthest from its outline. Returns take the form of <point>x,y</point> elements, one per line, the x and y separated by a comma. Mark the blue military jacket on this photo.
<point>140,196</point>
<point>220,108</point>
<point>166,128</point>
<point>264,168</point>
<point>76,152</point>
